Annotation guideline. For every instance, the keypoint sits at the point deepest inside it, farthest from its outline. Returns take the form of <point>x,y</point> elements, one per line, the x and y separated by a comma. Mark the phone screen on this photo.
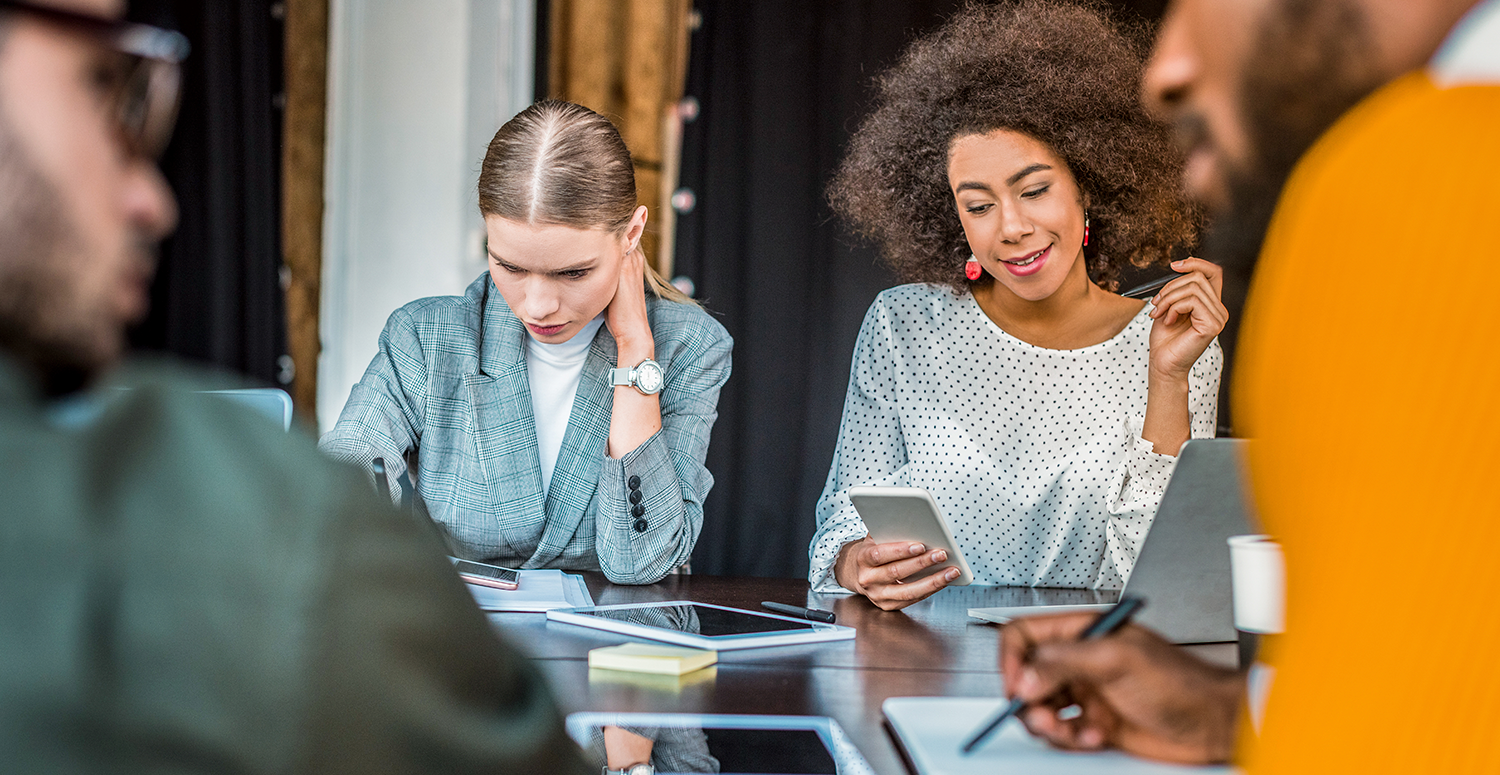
<point>487,575</point>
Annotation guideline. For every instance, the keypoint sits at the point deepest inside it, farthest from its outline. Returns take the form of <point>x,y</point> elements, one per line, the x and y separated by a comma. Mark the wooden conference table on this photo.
<point>931,648</point>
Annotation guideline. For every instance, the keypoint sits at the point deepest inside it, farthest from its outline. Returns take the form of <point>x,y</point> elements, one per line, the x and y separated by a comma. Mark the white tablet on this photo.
<point>910,514</point>
<point>711,743</point>
<point>701,625</point>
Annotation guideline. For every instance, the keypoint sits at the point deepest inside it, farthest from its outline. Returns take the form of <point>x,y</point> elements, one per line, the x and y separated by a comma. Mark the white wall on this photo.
<point>416,88</point>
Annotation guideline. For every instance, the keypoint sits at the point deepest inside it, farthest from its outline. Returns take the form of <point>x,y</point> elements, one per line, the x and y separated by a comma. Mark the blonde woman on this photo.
<point>556,415</point>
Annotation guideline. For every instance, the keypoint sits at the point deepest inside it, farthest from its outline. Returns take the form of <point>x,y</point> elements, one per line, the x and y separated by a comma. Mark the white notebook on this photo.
<point>932,729</point>
<point>539,591</point>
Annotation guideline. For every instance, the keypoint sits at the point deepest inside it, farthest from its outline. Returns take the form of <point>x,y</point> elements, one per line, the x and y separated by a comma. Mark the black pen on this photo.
<point>381,485</point>
<point>804,613</point>
<point>1108,622</point>
<point>1149,289</point>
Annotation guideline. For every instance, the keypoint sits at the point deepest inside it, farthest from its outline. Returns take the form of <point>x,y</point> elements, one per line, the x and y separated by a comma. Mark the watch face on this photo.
<point>641,769</point>
<point>648,377</point>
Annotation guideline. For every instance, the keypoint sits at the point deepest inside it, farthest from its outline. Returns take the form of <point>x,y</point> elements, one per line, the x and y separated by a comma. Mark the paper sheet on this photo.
<point>932,729</point>
<point>540,590</point>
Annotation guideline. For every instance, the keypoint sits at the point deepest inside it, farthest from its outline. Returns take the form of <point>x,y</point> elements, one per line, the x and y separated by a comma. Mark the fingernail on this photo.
<point>917,548</point>
<point>939,556</point>
<point>1090,738</point>
<point>951,574</point>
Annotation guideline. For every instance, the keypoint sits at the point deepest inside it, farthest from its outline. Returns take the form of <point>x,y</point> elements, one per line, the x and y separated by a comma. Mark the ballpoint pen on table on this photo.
<point>804,613</point>
<point>1108,622</point>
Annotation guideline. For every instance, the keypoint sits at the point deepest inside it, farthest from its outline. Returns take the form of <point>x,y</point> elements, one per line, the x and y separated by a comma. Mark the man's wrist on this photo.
<point>1231,690</point>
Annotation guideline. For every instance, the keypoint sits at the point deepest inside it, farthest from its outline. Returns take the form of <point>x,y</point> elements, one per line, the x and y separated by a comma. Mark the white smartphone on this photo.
<point>487,575</point>
<point>910,514</point>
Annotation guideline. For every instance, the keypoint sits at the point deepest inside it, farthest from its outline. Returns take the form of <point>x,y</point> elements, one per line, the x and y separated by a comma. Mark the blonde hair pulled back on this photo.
<point>560,164</point>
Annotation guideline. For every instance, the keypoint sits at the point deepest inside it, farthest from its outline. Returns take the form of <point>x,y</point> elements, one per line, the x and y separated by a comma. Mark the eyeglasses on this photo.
<point>149,85</point>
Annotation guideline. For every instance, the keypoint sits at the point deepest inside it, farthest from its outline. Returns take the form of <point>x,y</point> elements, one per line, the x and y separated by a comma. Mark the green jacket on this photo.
<point>186,588</point>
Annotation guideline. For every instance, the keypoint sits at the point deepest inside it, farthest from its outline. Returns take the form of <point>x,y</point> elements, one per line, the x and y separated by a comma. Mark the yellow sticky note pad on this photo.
<point>667,684</point>
<point>651,658</point>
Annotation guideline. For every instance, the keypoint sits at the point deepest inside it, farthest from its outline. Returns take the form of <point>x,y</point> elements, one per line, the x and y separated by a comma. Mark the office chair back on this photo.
<point>274,403</point>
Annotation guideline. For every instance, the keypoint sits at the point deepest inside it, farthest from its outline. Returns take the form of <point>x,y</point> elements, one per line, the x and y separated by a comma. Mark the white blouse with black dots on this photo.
<point>1035,456</point>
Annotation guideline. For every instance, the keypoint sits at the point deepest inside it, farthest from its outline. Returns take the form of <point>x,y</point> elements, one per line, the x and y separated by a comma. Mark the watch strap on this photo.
<point>619,377</point>
<point>643,768</point>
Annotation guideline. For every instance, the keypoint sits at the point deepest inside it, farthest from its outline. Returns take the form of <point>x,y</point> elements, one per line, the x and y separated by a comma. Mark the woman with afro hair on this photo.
<point>1008,173</point>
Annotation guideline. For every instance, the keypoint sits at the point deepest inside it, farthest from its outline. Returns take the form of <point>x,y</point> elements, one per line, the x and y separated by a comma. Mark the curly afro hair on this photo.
<point>1060,72</point>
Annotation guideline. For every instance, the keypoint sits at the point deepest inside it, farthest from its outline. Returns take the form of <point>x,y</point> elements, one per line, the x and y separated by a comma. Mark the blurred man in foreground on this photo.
<point>1369,366</point>
<point>183,588</point>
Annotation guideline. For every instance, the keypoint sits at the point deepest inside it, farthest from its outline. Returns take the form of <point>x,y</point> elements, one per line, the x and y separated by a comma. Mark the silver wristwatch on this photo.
<point>646,377</point>
<point>634,769</point>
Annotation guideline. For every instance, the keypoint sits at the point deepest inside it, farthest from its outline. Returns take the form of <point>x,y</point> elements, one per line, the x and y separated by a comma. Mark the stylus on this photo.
<point>1142,291</point>
<point>381,485</point>
<point>1108,622</point>
<point>806,613</point>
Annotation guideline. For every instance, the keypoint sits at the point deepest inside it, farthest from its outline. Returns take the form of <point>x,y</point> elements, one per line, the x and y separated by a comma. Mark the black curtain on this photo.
<point>217,297</point>
<point>781,85</point>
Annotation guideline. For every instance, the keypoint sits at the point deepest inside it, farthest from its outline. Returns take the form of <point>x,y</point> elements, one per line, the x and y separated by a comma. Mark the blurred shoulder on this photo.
<point>220,453</point>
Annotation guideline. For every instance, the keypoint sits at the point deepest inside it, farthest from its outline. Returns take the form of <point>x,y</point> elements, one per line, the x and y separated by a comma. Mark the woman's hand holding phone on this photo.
<point>877,570</point>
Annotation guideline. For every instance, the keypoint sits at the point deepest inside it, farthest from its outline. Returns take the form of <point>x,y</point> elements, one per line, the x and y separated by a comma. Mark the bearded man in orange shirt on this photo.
<point>1368,371</point>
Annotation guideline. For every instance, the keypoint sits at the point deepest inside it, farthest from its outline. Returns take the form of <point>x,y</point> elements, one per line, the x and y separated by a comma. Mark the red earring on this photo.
<point>1085,229</point>
<point>972,270</point>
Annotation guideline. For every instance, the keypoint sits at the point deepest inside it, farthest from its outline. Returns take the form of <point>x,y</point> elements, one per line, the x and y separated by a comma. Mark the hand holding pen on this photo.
<point>1131,690</point>
<point>1148,289</point>
<point>1104,624</point>
<point>1187,312</point>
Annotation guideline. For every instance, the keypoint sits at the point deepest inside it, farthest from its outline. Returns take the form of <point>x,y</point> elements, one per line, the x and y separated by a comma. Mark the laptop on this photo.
<point>1183,568</point>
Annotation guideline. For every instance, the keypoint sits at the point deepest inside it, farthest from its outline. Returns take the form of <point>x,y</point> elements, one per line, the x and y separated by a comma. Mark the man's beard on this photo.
<point>42,323</point>
<point>1314,60</point>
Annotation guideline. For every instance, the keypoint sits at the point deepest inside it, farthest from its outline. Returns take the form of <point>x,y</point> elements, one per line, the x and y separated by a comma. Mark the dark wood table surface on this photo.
<point>931,648</point>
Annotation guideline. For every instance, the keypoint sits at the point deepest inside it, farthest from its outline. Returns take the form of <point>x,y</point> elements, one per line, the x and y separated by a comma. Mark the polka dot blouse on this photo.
<point>1035,456</point>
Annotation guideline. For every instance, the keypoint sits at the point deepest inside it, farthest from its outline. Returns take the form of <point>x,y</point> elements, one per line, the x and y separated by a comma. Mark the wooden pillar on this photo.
<point>303,138</point>
<point>627,59</point>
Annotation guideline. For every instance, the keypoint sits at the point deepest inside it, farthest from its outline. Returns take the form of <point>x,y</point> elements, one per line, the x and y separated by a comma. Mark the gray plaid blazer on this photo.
<point>448,391</point>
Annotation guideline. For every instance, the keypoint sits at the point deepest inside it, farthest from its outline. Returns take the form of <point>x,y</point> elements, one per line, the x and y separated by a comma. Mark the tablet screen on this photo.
<point>713,750</point>
<point>701,620</point>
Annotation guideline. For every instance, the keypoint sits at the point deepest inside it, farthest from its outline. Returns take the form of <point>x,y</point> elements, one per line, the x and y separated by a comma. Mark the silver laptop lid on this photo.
<point>1183,568</point>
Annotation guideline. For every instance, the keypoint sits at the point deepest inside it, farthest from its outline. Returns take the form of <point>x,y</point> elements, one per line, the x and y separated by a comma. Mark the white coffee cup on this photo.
<point>1258,573</point>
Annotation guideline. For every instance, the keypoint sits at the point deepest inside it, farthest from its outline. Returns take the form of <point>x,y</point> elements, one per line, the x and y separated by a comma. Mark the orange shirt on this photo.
<point>1369,380</point>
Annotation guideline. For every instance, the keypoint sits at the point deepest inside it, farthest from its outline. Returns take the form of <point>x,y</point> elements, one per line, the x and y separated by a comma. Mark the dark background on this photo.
<point>781,84</point>
<point>217,297</point>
